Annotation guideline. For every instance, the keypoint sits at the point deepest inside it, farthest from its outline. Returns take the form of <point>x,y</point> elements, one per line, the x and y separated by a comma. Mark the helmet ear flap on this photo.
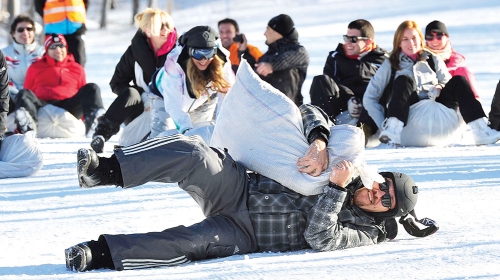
<point>418,228</point>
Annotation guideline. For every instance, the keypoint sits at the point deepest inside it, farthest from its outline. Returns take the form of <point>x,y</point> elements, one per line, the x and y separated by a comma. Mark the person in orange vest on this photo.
<point>66,17</point>
<point>236,43</point>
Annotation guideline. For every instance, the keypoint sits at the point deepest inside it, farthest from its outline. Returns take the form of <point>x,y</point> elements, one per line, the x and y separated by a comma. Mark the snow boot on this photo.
<point>104,130</point>
<point>482,133</point>
<point>97,171</point>
<point>391,133</point>
<point>79,257</point>
<point>24,121</point>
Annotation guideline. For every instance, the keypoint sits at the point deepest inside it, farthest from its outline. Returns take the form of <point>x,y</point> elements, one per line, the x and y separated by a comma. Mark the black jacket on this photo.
<point>353,73</point>
<point>4,94</point>
<point>290,61</point>
<point>139,52</point>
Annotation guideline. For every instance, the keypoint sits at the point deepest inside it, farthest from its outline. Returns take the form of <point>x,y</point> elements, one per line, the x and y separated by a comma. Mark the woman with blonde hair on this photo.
<point>411,74</point>
<point>155,38</point>
<point>188,90</point>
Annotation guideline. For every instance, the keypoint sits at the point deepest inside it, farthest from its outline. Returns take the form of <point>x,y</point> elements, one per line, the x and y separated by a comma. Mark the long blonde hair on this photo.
<point>151,20</point>
<point>398,38</point>
<point>200,79</point>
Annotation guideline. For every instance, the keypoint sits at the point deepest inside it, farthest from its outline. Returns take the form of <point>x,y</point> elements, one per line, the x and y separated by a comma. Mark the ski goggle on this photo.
<point>200,54</point>
<point>353,39</point>
<point>438,35</point>
<point>386,198</point>
<point>56,45</point>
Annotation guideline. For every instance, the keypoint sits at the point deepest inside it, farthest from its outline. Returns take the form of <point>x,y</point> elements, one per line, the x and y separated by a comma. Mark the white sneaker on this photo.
<point>391,133</point>
<point>482,133</point>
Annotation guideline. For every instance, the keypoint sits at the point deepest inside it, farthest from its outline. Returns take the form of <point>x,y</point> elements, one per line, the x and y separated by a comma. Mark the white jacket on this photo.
<point>424,76</point>
<point>19,58</point>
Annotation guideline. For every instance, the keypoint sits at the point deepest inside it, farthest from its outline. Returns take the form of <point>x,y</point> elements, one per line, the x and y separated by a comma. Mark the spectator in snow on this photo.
<point>438,41</point>
<point>21,54</point>
<point>419,74</point>
<point>236,43</point>
<point>187,92</point>
<point>239,218</point>
<point>147,52</point>
<point>66,17</point>
<point>58,80</point>
<point>347,72</point>
<point>285,63</point>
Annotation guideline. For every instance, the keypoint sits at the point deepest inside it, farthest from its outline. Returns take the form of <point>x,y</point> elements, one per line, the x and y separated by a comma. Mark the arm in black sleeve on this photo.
<point>316,123</point>
<point>4,94</point>
<point>124,73</point>
<point>248,56</point>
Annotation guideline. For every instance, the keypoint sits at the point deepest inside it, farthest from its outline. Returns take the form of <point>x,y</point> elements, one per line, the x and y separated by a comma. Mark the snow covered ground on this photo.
<point>42,215</point>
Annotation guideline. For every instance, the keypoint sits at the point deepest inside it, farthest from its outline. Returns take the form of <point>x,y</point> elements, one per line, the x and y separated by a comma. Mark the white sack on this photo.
<point>55,122</point>
<point>20,156</point>
<point>136,130</point>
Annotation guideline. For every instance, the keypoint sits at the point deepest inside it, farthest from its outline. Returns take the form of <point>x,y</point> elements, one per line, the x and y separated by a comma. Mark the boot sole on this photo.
<point>83,158</point>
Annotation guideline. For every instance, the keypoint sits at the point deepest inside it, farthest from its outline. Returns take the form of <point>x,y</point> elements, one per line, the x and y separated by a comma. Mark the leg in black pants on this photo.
<point>404,94</point>
<point>495,109</point>
<point>458,93</point>
<point>126,107</point>
<point>76,46</point>
<point>329,96</point>
<point>27,99</point>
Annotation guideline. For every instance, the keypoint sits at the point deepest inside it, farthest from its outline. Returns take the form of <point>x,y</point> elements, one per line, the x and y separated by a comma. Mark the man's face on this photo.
<point>58,53</point>
<point>371,200</point>
<point>27,34</point>
<point>359,46</point>
<point>227,32</point>
<point>271,36</point>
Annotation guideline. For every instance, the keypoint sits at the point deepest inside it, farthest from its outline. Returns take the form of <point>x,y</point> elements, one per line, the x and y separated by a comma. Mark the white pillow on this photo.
<point>262,129</point>
<point>55,122</point>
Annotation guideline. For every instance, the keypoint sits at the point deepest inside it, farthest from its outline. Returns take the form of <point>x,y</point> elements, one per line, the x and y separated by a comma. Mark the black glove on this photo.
<point>418,228</point>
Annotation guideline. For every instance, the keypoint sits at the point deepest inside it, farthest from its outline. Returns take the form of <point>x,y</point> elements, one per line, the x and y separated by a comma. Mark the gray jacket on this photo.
<point>423,74</point>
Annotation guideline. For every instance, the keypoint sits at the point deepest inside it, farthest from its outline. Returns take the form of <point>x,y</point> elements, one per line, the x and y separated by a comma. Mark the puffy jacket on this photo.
<point>421,71</point>
<point>354,73</point>
<point>290,61</point>
<point>251,54</point>
<point>138,64</point>
<point>62,16</point>
<point>457,67</point>
<point>180,103</point>
<point>51,80</point>
<point>19,58</point>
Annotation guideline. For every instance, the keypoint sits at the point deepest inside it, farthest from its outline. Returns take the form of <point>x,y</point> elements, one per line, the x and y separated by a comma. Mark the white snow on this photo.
<point>42,215</point>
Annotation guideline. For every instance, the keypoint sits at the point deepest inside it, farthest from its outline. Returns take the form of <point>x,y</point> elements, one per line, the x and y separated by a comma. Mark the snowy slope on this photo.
<point>42,215</point>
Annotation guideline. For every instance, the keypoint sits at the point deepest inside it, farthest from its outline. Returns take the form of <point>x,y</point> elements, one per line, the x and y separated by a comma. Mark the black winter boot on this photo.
<point>104,130</point>
<point>97,171</point>
<point>89,255</point>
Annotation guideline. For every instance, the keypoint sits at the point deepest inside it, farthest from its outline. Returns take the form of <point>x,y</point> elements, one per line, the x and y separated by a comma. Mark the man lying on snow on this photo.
<point>245,211</point>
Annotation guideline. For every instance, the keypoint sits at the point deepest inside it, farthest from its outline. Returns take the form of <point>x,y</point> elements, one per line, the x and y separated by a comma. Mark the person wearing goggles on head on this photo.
<point>155,38</point>
<point>187,92</point>
<point>411,74</point>
<point>438,41</point>
<point>246,212</point>
<point>19,55</point>
<point>346,74</point>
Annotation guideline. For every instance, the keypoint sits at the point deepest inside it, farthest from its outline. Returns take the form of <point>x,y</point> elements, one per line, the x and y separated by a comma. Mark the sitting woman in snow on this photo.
<point>188,91</point>
<point>414,74</point>
<point>147,52</point>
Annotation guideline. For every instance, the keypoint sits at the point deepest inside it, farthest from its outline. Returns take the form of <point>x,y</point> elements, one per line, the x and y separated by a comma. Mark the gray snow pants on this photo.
<point>216,182</point>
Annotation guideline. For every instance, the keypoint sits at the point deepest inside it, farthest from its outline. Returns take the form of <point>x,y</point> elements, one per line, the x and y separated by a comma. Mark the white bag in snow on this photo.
<point>136,130</point>
<point>20,156</point>
<point>262,129</point>
<point>430,123</point>
<point>55,122</point>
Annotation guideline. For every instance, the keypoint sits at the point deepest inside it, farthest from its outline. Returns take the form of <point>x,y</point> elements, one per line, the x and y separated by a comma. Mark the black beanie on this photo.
<point>283,24</point>
<point>200,37</point>
<point>435,26</point>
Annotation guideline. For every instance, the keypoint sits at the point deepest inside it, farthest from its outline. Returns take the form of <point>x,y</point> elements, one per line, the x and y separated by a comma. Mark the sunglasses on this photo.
<point>353,39</point>
<point>386,198</point>
<point>56,45</point>
<point>21,29</point>
<point>200,54</point>
<point>430,37</point>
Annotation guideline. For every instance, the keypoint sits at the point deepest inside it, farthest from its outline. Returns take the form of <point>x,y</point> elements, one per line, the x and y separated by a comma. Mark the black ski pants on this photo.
<point>215,181</point>
<point>126,107</point>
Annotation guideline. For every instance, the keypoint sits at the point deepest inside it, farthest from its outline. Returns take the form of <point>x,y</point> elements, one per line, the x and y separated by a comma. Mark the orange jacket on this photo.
<point>63,16</point>
<point>234,55</point>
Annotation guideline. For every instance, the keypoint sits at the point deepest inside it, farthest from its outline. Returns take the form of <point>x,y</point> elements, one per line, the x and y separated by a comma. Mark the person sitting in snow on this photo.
<point>58,80</point>
<point>245,212</point>
<point>419,74</point>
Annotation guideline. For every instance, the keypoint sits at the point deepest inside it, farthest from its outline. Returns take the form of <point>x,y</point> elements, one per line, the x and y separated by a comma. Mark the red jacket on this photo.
<point>51,80</point>
<point>457,67</point>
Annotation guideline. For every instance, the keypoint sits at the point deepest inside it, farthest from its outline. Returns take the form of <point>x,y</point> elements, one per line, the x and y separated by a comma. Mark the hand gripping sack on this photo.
<point>20,156</point>
<point>430,123</point>
<point>262,129</point>
<point>55,122</point>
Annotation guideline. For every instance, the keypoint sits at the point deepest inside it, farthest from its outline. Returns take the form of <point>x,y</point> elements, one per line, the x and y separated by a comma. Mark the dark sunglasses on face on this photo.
<point>200,54</point>
<point>430,37</point>
<point>56,45</point>
<point>386,198</point>
<point>21,29</point>
<point>353,39</point>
